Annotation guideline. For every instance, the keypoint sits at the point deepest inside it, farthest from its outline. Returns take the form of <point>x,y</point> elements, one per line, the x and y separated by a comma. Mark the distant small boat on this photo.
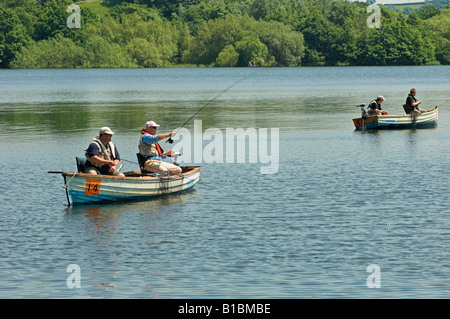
<point>84,188</point>
<point>426,119</point>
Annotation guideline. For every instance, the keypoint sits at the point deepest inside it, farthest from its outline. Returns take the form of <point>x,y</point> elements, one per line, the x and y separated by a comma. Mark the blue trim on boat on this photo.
<point>78,198</point>
<point>394,125</point>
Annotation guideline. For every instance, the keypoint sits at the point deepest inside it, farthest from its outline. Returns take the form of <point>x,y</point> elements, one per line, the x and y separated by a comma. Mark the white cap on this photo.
<point>380,98</point>
<point>105,130</point>
<point>151,124</point>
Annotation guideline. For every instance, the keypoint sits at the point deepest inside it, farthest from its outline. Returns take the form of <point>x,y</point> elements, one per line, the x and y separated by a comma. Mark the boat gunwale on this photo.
<point>376,116</point>
<point>193,170</point>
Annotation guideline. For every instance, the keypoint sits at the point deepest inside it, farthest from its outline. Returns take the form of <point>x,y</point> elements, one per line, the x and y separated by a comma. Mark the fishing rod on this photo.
<point>442,103</point>
<point>208,103</point>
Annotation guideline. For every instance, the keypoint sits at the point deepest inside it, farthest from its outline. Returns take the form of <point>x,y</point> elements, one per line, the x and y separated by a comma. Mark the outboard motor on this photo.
<point>363,110</point>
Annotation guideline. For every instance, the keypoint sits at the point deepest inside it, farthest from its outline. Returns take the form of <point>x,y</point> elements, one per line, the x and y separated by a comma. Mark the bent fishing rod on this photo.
<point>208,103</point>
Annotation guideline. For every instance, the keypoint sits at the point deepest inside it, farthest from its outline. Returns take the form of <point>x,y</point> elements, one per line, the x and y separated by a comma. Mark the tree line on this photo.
<point>223,33</point>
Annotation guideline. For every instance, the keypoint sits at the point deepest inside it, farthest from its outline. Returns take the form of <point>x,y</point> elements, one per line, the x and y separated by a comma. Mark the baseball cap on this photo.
<point>105,130</point>
<point>151,124</point>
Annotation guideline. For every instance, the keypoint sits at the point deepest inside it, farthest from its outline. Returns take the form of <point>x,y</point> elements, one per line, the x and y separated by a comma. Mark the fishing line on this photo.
<point>125,160</point>
<point>442,103</point>
<point>208,103</point>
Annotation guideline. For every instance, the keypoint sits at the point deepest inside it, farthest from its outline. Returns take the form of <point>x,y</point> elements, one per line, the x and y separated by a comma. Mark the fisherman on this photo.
<point>374,107</point>
<point>412,104</point>
<point>102,156</point>
<point>152,152</point>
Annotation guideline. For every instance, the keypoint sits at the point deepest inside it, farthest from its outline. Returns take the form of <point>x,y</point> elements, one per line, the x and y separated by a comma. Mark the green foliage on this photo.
<point>99,53</point>
<point>13,36</point>
<point>162,33</point>
<point>52,20</point>
<point>428,11</point>
<point>57,52</point>
<point>228,57</point>
<point>214,35</point>
<point>142,11</point>
<point>440,24</point>
<point>395,43</point>
<point>443,51</point>
<point>251,49</point>
<point>285,45</point>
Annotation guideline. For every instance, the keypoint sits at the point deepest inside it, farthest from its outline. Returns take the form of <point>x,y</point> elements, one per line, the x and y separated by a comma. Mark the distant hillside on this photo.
<point>99,7</point>
<point>410,6</point>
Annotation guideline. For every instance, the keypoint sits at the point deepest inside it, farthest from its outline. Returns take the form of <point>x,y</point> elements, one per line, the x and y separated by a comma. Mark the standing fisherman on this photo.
<point>412,104</point>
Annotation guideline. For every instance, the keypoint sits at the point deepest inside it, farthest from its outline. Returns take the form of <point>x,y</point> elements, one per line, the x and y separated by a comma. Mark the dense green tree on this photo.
<point>13,36</point>
<point>395,43</point>
<point>145,53</point>
<point>228,57</point>
<point>443,51</point>
<point>260,9</point>
<point>195,15</point>
<point>428,11</point>
<point>57,52</point>
<point>214,35</point>
<point>318,33</point>
<point>26,10</point>
<point>156,33</point>
<point>142,11</point>
<point>440,23</point>
<point>52,19</point>
<point>251,49</point>
<point>283,43</point>
<point>99,53</point>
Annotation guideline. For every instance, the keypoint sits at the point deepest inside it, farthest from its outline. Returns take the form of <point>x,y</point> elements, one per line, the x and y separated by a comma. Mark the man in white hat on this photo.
<point>102,156</point>
<point>152,152</point>
<point>374,107</point>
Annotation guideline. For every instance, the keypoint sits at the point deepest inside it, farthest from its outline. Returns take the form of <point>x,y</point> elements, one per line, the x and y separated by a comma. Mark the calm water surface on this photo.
<point>340,201</point>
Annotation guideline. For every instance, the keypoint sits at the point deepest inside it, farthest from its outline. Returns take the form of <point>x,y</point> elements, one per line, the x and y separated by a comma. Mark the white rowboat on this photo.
<point>84,188</point>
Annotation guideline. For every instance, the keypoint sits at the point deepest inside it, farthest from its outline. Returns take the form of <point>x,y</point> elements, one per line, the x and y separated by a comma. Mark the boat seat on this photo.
<point>81,163</point>
<point>141,161</point>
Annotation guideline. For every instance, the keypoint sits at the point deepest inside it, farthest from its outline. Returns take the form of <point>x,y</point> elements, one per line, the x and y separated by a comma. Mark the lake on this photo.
<point>345,214</point>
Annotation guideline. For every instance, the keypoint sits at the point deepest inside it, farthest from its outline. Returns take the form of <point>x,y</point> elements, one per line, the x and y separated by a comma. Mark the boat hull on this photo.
<point>90,189</point>
<point>427,119</point>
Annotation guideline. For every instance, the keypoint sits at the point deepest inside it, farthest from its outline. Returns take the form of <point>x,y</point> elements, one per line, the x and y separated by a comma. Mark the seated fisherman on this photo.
<point>102,157</point>
<point>374,107</point>
<point>152,151</point>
